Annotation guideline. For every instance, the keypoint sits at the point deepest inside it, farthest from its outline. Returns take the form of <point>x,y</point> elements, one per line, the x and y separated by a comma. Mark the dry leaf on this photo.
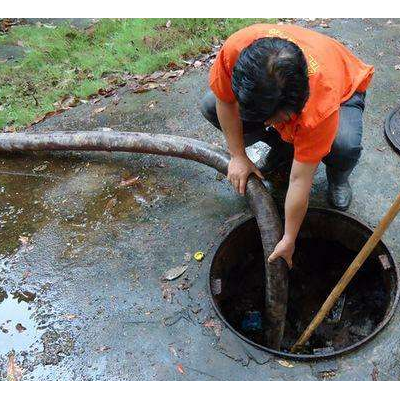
<point>20,328</point>
<point>26,295</point>
<point>174,273</point>
<point>129,182</point>
<point>111,204</point>
<point>99,110</point>
<point>102,349</point>
<point>67,102</point>
<point>154,76</point>
<point>214,325</point>
<point>285,364</point>
<point>144,88</point>
<point>174,74</point>
<point>14,372</point>
<point>70,317</point>
<point>47,115</point>
<point>106,92</point>
<point>9,129</point>
<point>40,168</point>
<point>180,369</point>
<point>24,240</point>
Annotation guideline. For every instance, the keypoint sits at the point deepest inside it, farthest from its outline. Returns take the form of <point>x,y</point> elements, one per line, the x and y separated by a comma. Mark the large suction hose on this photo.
<point>259,199</point>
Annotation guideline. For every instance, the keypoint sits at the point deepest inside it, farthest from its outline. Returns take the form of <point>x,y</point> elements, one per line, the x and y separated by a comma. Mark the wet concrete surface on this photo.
<point>93,252</point>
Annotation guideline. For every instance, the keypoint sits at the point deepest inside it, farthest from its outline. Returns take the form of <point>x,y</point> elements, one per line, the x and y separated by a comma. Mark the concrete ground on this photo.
<point>81,258</point>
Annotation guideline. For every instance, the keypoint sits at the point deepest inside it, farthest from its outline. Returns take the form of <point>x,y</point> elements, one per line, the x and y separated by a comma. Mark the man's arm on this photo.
<point>240,166</point>
<point>301,177</point>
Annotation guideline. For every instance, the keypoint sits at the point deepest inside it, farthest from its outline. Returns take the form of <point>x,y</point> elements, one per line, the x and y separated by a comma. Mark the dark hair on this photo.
<point>270,75</point>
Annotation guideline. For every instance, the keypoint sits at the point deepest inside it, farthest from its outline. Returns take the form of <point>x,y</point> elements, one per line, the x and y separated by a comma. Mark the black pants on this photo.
<point>345,151</point>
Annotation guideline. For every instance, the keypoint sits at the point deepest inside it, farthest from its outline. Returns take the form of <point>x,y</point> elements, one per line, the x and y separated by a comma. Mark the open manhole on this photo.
<point>392,128</point>
<point>327,243</point>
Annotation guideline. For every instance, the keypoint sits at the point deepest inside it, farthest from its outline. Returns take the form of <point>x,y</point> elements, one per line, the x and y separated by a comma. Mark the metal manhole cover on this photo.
<point>392,128</point>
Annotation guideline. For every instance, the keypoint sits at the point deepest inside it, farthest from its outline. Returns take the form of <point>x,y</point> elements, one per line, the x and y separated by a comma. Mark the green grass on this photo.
<point>68,61</point>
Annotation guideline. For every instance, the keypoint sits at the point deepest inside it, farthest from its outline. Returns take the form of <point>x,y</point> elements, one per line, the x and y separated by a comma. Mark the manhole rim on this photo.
<point>394,143</point>
<point>312,357</point>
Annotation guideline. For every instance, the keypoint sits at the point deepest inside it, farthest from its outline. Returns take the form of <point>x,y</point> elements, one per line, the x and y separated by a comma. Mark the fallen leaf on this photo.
<point>47,115</point>
<point>70,317</point>
<point>102,349</point>
<point>67,102</point>
<point>144,88</point>
<point>14,372</point>
<point>90,30</point>
<point>174,273</point>
<point>180,369</point>
<point>129,182</point>
<point>214,325</point>
<point>24,240</point>
<point>9,129</point>
<point>99,110</point>
<point>6,24</point>
<point>285,364</point>
<point>20,328</point>
<point>25,295</point>
<point>154,76</point>
<point>40,168</point>
<point>106,92</point>
<point>111,204</point>
<point>174,74</point>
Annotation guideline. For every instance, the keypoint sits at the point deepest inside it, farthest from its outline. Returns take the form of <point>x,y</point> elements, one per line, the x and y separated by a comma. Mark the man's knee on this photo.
<point>208,108</point>
<point>345,153</point>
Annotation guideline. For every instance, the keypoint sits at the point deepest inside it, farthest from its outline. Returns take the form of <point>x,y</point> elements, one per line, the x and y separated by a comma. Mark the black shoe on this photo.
<point>340,195</point>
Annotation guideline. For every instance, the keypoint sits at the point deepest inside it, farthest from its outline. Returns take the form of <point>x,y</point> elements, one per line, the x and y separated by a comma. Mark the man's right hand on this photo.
<point>239,169</point>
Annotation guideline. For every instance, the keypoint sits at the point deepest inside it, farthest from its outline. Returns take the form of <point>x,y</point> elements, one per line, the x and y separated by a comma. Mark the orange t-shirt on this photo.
<point>334,75</point>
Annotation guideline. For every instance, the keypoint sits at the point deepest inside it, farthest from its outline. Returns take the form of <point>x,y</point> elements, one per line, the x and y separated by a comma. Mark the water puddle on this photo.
<point>18,328</point>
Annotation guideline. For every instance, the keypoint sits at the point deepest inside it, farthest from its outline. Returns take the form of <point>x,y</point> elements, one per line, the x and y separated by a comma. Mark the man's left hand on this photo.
<point>284,249</point>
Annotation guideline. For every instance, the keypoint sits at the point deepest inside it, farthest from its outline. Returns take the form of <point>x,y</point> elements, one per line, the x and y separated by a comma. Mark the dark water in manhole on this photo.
<point>238,276</point>
<point>18,328</point>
